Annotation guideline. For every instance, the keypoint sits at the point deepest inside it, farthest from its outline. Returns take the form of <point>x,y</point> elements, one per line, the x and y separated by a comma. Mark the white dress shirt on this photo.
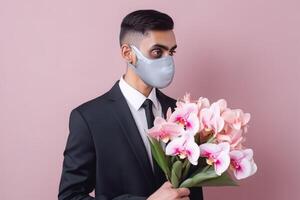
<point>135,99</point>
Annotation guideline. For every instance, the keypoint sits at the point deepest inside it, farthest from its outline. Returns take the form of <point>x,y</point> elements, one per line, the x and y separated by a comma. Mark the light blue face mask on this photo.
<point>157,73</point>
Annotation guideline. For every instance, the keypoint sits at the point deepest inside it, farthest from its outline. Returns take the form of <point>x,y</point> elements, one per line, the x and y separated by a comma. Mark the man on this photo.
<point>107,147</point>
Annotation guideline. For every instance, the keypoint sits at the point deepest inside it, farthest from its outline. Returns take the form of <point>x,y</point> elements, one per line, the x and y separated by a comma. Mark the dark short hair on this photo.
<point>144,20</point>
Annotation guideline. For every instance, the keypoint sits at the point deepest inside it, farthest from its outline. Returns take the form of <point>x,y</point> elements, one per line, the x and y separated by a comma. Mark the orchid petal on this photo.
<point>195,153</point>
<point>184,147</point>
<point>158,121</point>
<point>244,169</point>
<point>222,104</point>
<point>246,118</point>
<point>173,146</point>
<point>222,164</point>
<point>207,149</point>
<point>242,163</point>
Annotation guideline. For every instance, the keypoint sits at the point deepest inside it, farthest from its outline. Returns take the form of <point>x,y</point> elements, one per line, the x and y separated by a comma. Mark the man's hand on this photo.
<point>167,192</point>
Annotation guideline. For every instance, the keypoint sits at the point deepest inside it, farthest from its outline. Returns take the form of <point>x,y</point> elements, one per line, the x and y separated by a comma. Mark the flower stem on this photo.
<point>210,140</point>
<point>168,179</point>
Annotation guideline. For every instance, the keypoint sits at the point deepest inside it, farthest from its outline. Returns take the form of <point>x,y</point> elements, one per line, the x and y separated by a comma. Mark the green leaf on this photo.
<point>208,177</point>
<point>206,173</point>
<point>160,156</point>
<point>176,173</point>
<point>186,166</point>
<point>223,180</point>
<point>187,183</point>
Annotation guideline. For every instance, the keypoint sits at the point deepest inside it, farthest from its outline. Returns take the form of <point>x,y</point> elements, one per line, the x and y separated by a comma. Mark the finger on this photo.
<point>185,198</point>
<point>183,192</point>
<point>167,184</point>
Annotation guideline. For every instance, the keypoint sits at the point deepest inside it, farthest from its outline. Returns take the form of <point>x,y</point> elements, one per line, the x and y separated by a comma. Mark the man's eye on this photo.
<point>172,53</point>
<point>156,53</point>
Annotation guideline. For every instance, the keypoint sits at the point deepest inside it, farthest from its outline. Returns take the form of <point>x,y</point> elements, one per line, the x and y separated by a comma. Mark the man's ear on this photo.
<point>127,53</point>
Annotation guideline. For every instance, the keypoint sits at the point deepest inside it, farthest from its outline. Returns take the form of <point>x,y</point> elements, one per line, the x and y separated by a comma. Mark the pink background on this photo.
<point>57,54</point>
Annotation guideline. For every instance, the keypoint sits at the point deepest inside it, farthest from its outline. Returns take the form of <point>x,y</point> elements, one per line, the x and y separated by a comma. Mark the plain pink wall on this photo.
<point>57,54</point>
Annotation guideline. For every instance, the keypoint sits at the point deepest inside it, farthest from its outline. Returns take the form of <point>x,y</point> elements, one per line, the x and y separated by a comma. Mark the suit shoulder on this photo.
<point>93,104</point>
<point>167,98</point>
<point>171,99</point>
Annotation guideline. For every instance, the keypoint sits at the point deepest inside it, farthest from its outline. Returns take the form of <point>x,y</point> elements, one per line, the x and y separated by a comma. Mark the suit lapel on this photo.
<point>164,102</point>
<point>122,113</point>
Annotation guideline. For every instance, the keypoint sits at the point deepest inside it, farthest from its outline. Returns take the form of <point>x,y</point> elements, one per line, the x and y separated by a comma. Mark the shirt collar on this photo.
<point>134,97</point>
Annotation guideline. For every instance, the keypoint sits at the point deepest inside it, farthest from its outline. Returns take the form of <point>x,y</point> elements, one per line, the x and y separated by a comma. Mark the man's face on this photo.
<point>157,44</point>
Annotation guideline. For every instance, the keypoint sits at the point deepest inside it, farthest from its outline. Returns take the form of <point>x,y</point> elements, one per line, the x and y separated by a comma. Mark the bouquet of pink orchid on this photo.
<point>200,132</point>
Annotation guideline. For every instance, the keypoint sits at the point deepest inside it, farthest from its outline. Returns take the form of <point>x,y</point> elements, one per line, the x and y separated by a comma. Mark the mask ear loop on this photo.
<point>138,53</point>
<point>128,62</point>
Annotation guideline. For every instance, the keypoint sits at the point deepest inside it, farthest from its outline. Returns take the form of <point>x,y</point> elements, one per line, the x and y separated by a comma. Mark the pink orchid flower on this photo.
<point>217,155</point>
<point>242,163</point>
<point>186,116</point>
<point>222,104</point>
<point>233,137</point>
<point>236,118</point>
<point>203,103</point>
<point>184,147</point>
<point>210,119</point>
<point>164,131</point>
<point>185,100</point>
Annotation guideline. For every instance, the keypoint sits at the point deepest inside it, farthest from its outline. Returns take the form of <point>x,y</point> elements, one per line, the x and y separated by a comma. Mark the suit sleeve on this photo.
<point>196,193</point>
<point>79,165</point>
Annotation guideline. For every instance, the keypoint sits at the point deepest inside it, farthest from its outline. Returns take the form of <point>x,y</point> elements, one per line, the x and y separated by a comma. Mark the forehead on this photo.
<point>166,38</point>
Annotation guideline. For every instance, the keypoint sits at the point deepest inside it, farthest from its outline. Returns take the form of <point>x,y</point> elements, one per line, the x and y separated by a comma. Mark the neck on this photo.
<point>133,80</point>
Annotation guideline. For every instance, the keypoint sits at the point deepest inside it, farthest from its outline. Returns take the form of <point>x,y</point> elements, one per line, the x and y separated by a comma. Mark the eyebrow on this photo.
<point>165,47</point>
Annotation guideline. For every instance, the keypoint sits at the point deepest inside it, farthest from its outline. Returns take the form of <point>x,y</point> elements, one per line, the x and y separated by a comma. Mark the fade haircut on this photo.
<point>137,23</point>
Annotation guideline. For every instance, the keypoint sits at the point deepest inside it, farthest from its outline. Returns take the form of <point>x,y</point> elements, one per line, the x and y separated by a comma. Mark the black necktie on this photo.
<point>147,105</point>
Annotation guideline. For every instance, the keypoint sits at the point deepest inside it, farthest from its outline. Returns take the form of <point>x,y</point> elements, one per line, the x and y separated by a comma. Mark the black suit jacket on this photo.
<point>105,152</point>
